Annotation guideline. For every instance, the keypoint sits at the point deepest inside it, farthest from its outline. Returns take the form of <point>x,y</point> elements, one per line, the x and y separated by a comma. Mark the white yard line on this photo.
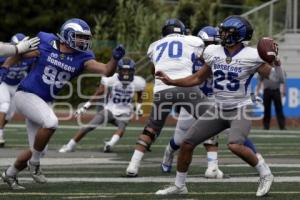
<point>281,179</point>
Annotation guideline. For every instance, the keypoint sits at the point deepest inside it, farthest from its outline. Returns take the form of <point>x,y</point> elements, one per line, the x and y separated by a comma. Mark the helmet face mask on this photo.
<point>76,34</point>
<point>229,36</point>
<point>126,70</point>
<point>234,30</point>
<point>126,75</point>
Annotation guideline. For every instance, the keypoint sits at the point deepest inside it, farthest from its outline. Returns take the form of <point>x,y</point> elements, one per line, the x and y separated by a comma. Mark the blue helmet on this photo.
<point>15,39</point>
<point>76,33</point>
<point>235,29</point>
<point>209,35</point>
<point>126,70</point>
<point>173,26</point>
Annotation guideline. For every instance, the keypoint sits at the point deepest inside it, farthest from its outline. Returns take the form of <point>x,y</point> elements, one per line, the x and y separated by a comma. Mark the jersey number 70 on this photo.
<point>174,49</point>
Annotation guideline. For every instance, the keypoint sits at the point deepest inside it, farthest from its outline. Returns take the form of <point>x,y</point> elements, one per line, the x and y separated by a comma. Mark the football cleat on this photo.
<point>66,149</point>
<point>264,186</point>
<point>165,168</point>
<point>166,164</point>
<point>107,147</point>
<point>173,189</point>
<point>36,173</point>
<point>12,182</point>
<point>132,169</point>
<point>214,173</point>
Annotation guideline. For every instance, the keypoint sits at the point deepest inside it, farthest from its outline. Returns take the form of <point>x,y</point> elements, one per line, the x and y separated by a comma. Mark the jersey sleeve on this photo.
<point>197,43</point>
<point>108,81</point>
<point>140,83</point>
<point>208,55</point>
<point>150,51</point>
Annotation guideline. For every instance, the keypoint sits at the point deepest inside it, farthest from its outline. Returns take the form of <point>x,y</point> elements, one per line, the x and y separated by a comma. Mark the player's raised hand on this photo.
<point>163,77</point>
<point>28,44</point>
<point>82,109</point>
<point>118,52</point>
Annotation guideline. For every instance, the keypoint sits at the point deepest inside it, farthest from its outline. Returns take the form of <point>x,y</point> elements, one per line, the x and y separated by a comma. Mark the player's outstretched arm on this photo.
<point>10,61</point>
<point>192,80</point>
<point>274,73</point>
<point>23,46</point>
<point>100,91</point>
<point>109,68</point>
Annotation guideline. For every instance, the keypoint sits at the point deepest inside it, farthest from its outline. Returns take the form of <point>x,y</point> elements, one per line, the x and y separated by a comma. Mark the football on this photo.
<point>267,49</point>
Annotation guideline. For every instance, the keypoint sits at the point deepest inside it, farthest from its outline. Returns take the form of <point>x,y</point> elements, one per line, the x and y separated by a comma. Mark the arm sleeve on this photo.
<point>7,49</point>
<point>140,84</point>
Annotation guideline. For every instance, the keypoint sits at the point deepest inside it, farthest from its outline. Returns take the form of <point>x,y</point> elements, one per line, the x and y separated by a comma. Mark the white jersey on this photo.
<point>173,55</point>
<point>120,98</point>
<point>231,76</point>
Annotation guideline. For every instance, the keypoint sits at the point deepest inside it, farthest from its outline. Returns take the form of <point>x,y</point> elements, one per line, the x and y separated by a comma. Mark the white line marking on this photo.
<point>281,179</point>
<point>102,194</point>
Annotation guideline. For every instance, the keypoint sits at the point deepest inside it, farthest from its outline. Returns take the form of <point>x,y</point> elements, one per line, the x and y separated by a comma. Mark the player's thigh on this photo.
<point>161,108</point>
<point>205,127</point>
<point>240,127</point>
<point>11,111</point>
<point>32,129</point>
<point>184,122</point>
<point>4,98</point>
<point>100,118</point>
<point>35,109</point>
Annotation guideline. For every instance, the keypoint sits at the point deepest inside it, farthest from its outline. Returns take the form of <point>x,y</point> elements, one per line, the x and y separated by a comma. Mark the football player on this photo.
<point>120,90</point>
<point>59,58</point>
<point>232,66</point>
<point>210,36</point>
<point>9,86</point>
<point>172,54</point>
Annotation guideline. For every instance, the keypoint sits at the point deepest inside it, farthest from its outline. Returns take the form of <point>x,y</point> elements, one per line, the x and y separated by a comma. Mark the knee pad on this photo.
<point>4,107</point>
<point>147,145</point>
<point>212,141</point>
<point>51,122</point>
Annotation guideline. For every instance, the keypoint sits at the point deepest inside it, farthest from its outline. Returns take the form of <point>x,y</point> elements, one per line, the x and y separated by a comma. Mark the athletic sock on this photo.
<point>180,179</point>
<point>137,156</point>
<point>35,157</point>
<point>114,139</point>
<point>72,144</point>
<point>12,171</point>
<point>212,159</point>
<point>262,168</point>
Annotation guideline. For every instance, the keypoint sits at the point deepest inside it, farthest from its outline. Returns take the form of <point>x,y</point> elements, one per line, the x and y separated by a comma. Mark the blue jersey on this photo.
<point>206,86</point>
<point>53,68</point>
<point>18,71</point>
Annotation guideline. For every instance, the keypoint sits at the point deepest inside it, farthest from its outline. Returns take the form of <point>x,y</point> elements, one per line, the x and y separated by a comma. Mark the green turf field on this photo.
<point>90,174</point>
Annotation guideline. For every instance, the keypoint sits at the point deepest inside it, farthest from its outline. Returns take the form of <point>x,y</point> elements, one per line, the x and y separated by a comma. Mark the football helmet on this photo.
<point>15,39</point>
<point>76,33</point>
<point>126,70</point>
<point>235,29</point>
<point>209,35</point>
<point>173,26</point>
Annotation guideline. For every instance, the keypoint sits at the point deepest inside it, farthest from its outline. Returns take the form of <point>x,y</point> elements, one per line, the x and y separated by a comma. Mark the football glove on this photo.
<point>82,109</point>
<point>28,45</point>
<point>118,52</point>
<point>3,73</point>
